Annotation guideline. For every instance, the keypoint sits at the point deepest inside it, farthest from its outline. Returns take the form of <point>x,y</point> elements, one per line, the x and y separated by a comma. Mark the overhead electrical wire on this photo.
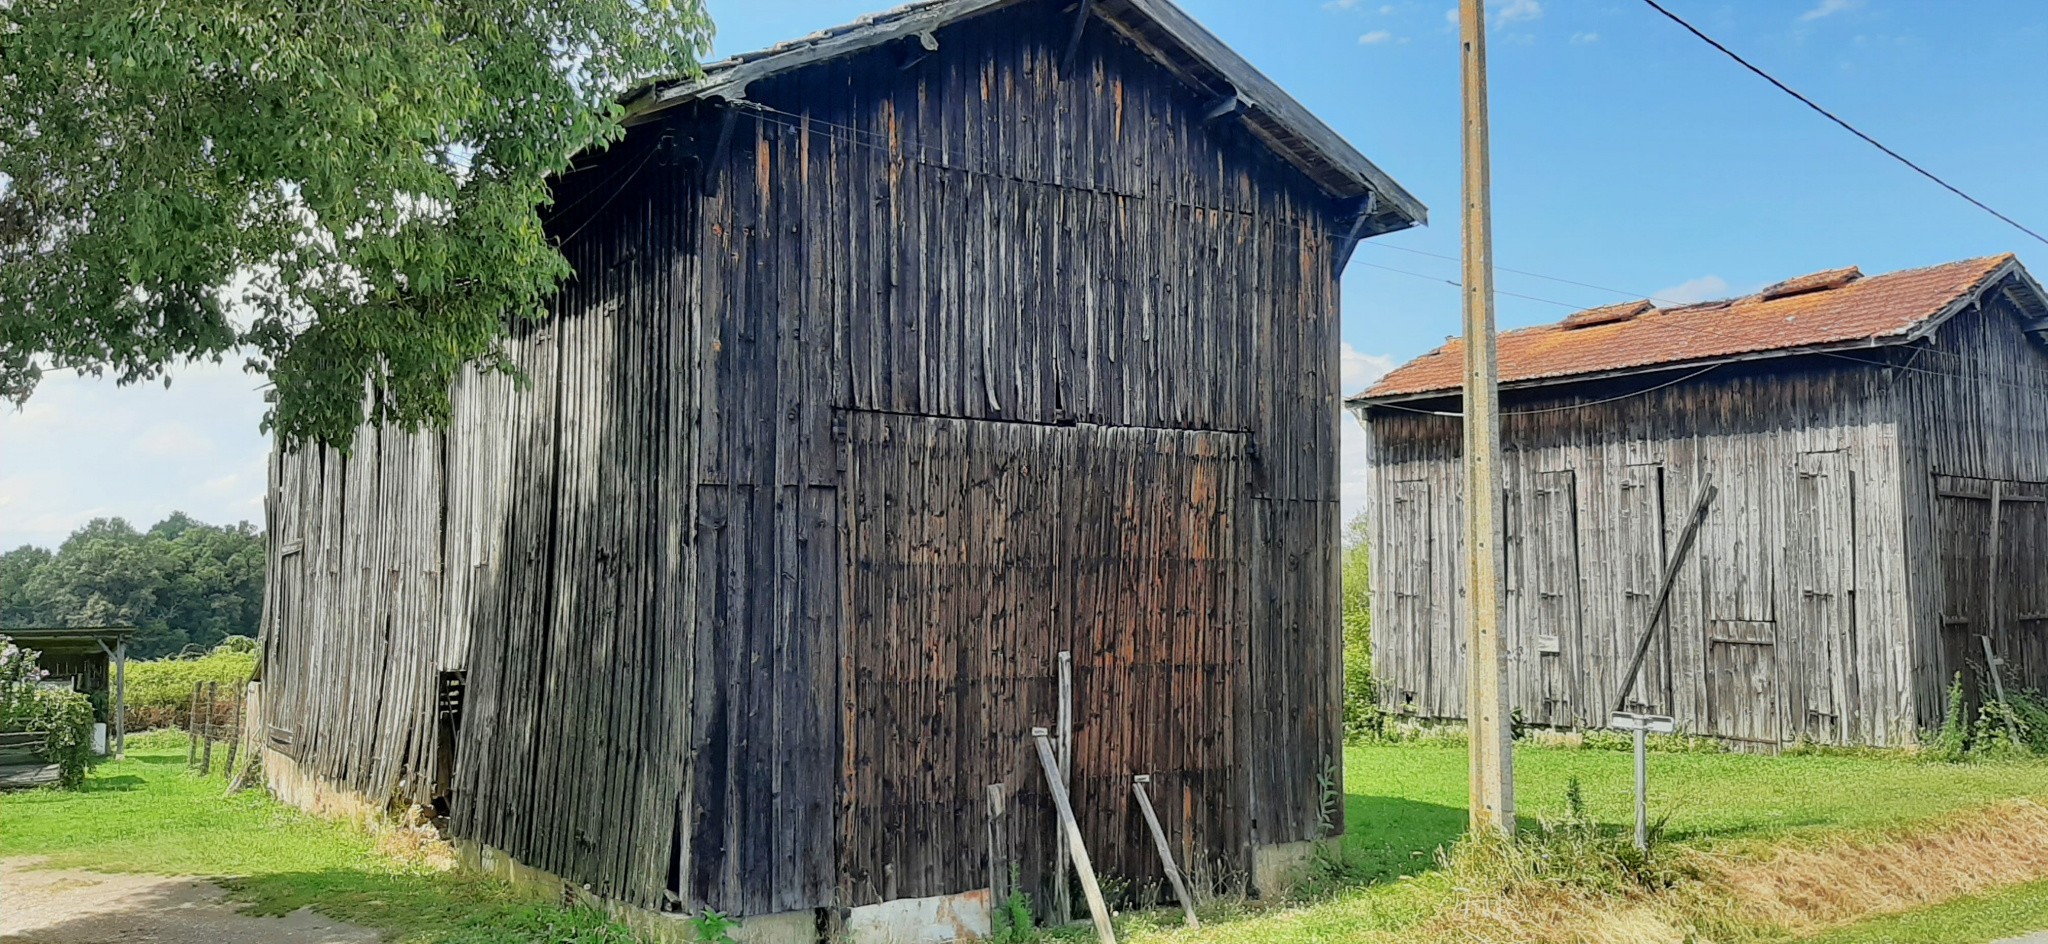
<point>918,151</point>
<point>1831,116</point>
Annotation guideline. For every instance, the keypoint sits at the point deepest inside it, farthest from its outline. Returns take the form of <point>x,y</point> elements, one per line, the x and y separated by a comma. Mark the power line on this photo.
<point>1831,116</point>
<point>1568,406</point>
<point>916,150</point>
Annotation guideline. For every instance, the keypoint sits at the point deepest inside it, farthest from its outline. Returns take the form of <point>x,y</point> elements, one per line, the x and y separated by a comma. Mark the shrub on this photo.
<point>1574,852</point>
<point>1363,717</point>
<point>160,691</point>
<point>65,720</point>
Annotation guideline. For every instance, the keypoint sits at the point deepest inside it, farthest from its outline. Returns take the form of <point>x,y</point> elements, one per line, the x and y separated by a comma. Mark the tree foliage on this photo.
<point>182,583</point>
<point>348,192</point>
<point>1362,715</point>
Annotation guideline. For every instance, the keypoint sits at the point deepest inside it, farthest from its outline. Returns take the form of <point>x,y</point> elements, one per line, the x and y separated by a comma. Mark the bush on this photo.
<point>1363,717</point>
<point>65,720</point>
<point>2016,728</point>
<point>1574,852</point>
<point>160,691</point>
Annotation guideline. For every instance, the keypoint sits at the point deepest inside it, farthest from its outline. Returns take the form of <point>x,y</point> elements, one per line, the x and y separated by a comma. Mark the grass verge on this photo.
<point>1765,849</point>
<point>149,814</point>
<point>1975,918</point>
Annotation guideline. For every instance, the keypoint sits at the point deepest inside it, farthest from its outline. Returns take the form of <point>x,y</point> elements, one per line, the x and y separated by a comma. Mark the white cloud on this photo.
<point>1503,12</point>
<point>1514,11</point>
<point>1358,370</point>
<point>1387,10</point>
<point>1828,8</point>
<point>1340,4</point>
<point>85,447</point>
<point>1375,37</point>
<point>1583,38</point>
<point>1702,289</point>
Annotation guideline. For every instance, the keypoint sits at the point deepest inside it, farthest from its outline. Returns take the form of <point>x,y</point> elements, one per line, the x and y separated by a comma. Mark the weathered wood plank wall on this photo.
<point>942,363</point>
<point>1790,620</point>
<point>990,237</point>
<point>521,548</point>
<point>1974,415</point>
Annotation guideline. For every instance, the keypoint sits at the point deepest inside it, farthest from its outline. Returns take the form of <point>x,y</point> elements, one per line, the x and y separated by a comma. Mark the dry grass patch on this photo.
<point>1811,886</point>
<point>1788,891</point>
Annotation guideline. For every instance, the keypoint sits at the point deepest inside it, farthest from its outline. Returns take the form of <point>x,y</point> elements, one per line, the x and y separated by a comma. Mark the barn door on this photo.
<point>1545,580</point>
<point>977,552</point>
<point>1641,507</point>
<point>1402,637</point>
<point>1742,680</point>
<point>1990,536</point>
<point>1823,572</point>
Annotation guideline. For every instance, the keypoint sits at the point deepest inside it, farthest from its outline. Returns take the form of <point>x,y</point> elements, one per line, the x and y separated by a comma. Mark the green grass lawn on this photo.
<point>1973,920</point>
<point>149,814</point>
<point>1403,801</point>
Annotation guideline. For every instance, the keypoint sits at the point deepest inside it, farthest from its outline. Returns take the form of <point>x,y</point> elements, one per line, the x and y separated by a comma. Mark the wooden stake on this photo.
<point>1062,895</point>
<point>1992,662</point>
<point>999,890</point>
<point>206,734</point>
<point>1076,849</point>
<point>1671,567</point>
<point>192,726</point>
<point>1493,775</point>
<point>1180,888</point>
<point>121,698</point>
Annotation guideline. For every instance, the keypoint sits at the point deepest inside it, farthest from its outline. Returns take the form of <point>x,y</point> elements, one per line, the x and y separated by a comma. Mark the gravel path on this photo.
<point>61,907</point>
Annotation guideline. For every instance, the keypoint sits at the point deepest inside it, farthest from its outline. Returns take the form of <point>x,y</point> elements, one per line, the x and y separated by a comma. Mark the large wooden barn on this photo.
<point>900,360</point>
<point>1878,451</point>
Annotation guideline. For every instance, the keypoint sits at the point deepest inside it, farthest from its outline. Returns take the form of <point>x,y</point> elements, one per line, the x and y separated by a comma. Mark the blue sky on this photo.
<point>1626,154</point>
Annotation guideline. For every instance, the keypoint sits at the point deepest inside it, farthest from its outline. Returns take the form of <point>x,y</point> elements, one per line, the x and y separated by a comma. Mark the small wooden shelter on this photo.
<point>900,360</point>
<point>1878,448</point>
<point>91,660</point>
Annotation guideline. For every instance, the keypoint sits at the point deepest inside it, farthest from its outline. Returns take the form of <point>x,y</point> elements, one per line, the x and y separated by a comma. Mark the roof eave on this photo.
<point>1367,401</point>
<point>1266,110</point>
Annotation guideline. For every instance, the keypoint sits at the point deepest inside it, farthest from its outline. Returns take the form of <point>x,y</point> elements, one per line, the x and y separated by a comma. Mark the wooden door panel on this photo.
<point>1742,681</point>
<point>1823,575</point>
<point>978,551</point>
<point>1402,651</point>
<point>1641,520</point>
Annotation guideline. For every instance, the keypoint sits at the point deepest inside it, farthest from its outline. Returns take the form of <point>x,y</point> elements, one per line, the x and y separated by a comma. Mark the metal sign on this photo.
<point>1642,726</point>
<point>1652,724</point>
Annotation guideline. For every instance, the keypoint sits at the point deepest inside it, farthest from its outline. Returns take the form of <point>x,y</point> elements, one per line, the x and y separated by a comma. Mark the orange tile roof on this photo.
<point>1824,308</point>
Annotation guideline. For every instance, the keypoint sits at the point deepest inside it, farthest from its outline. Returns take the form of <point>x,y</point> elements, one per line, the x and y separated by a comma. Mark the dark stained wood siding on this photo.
<point>844,429</point>
<point>977,553</point>
<point>533,547</point>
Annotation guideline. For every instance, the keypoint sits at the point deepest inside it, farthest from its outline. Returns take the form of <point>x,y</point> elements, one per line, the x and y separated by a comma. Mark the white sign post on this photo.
<point>1642,726</point>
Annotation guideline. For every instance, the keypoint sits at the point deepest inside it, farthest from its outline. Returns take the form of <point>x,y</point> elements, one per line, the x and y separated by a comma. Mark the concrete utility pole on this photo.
<point>1493,763</point>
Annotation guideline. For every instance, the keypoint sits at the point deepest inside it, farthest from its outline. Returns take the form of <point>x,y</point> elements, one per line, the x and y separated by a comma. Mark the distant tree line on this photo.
<point>185,585</point>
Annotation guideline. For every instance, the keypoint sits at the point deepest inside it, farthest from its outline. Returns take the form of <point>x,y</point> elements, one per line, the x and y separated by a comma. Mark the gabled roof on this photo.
<point>1157,28</point>
<point>1827,310</point>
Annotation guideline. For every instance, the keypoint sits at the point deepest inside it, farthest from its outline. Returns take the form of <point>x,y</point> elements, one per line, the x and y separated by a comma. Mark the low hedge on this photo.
<point>160,691</point>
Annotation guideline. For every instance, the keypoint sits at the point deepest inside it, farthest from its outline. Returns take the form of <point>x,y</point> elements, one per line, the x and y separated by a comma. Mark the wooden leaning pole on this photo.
<point>1493,773</point>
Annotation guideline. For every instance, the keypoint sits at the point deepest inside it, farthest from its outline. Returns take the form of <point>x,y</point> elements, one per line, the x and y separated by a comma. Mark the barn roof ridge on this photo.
<point>1157,28</point>
<point>1821,310</point>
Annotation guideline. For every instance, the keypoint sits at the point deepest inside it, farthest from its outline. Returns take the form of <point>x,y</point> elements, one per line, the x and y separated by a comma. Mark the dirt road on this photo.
<point>61,907</point>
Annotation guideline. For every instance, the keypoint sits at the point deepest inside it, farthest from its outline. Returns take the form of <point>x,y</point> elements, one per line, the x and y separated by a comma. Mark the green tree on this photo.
<point>18,605</point>
<point>183,584</point>
<point>1361,693</point>
<point>347,192</point>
